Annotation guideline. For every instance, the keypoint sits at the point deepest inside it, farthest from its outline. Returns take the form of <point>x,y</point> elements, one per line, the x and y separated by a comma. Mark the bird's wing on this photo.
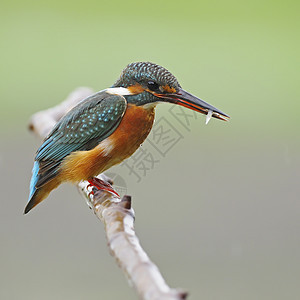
<point>82,128</point>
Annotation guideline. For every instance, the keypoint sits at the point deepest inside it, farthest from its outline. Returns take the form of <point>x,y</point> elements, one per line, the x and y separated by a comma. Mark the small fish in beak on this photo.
<point>208,116</point>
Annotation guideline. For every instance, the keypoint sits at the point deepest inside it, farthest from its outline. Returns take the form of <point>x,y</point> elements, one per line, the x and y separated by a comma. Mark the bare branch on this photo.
<point>117,216</point>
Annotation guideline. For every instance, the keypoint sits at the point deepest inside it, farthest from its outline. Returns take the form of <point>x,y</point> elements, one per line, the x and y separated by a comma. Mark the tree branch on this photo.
<point>117,216</point>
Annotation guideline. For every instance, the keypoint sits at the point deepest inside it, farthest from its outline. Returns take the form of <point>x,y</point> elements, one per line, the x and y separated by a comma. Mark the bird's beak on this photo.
<point>188,100</point>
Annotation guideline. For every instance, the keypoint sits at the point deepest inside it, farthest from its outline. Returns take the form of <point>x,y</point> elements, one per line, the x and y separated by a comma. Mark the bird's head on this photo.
<point>145,83</point>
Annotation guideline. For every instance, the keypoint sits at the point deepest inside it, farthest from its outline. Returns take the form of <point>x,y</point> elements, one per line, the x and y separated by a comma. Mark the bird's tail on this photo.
<point>35,199</point>
<point>37,195</point>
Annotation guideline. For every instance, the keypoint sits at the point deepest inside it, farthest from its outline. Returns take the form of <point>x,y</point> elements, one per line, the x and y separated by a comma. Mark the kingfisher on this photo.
<point>106,128</point>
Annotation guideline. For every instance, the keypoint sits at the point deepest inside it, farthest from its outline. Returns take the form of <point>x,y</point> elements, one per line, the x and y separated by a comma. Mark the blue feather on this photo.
<point>34,179</point>
<point>45,148</point>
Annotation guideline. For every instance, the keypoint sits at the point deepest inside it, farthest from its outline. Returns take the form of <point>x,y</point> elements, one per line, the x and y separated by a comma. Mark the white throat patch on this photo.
<point>118,91</point>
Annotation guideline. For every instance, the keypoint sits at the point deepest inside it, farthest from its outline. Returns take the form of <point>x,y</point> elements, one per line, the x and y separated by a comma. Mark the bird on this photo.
<point>106,128</point>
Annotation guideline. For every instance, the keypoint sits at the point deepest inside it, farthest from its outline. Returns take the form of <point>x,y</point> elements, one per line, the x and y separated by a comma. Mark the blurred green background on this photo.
<point>220,213</point>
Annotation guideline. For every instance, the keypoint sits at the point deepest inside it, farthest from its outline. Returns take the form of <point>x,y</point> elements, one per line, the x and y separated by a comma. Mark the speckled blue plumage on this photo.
<point>82,129</point>
<point>145,71</point>
<point>141,73</point>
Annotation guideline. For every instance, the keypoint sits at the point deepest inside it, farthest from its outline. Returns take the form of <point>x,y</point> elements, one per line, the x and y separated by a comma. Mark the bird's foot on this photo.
<point>101,185</point>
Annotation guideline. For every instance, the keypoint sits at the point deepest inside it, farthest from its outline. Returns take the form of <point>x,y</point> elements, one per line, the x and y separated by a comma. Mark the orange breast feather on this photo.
<point>122,143</point>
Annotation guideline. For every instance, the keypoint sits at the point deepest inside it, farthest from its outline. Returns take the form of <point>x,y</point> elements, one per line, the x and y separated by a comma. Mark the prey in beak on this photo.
<point>183,98</point>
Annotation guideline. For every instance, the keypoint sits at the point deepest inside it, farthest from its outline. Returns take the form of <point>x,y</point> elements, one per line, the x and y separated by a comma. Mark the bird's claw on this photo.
<point>101,185</point>
<point>91,193</point>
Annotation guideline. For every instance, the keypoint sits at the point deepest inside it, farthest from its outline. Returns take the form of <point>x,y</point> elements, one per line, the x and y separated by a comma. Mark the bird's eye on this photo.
<point>152,86</point>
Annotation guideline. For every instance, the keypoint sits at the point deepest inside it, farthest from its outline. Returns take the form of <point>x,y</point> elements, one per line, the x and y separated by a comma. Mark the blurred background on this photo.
<point>219,211</point>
